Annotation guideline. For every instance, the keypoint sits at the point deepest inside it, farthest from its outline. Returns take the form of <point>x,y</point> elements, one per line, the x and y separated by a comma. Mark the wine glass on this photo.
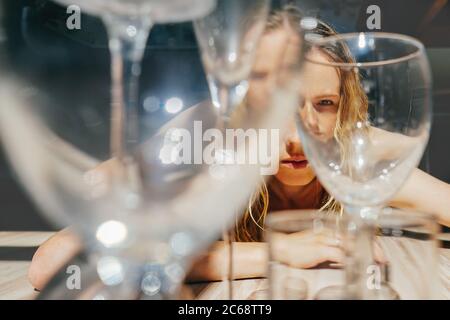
<point>142,226</point>
<point>407,246</point>
<point>128,24</point>
<point>228,39</point>
<point>296,238</point>
<point>409,243</point>
<point>380,115</point>
<point>407,255</point>
<point>160,11</point>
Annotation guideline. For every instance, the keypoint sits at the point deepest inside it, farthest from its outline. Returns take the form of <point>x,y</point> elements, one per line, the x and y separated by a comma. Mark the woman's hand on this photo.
<point>51,256</point>
<point>100,178</point>
<point>60,248</point>
<point>307,249</point>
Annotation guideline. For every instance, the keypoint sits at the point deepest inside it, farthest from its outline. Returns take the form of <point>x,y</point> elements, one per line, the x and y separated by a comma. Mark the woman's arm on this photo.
<point>51,256</point>
<point>423,192</point>
<point>249,261</point>
<point>301,250</point>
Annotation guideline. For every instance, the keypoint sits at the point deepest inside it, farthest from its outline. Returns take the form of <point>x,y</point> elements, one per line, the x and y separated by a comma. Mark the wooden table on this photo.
<point>13,273</point>
<point>14,283</point>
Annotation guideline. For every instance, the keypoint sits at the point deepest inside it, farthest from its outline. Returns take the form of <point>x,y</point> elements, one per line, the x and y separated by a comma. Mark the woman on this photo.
<point>330,102</point>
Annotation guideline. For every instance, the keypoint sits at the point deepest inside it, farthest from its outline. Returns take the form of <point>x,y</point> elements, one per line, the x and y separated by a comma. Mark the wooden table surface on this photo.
<point>14,283</point>
<point>13,273</point>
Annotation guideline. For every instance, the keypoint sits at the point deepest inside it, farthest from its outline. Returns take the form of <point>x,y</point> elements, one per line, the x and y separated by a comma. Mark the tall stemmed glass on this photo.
<point>228,38</point>
<point>128,24</point>
<point>140,244</point>
<point>381,113</point>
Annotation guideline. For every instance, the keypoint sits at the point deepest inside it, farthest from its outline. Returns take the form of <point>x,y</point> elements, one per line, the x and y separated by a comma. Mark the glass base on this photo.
<point>331,293</point>
<point>385,292</point>
<point>133,282</point>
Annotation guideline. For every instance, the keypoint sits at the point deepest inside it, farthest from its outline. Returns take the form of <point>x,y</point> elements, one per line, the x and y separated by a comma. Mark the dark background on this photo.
<point>173,47</point>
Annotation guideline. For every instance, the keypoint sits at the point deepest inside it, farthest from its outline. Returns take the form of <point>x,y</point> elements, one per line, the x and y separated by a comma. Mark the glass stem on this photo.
<point>360,251</point>
<point>127,41</point>
<point>228,239</point>
<point>225,106</point>
<point>224,96</point>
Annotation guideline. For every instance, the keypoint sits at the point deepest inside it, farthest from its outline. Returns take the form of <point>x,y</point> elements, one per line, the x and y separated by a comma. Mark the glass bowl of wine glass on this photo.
<point>364,123</point>
<point>117,161</point>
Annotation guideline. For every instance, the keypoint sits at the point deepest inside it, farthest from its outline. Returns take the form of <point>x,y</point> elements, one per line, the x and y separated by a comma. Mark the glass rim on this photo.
<point>377,35</point>
<point>409,213</point>
<point>301,215</point>
<point>305,215</point>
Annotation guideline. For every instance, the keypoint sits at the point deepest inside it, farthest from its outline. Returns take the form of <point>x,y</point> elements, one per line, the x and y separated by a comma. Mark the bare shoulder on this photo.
<point>425,193</point>
<point>392,145</point>
<point>384,136</point>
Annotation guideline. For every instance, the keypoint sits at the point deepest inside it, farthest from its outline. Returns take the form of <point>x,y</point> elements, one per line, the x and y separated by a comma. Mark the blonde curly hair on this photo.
<point>352,108</point>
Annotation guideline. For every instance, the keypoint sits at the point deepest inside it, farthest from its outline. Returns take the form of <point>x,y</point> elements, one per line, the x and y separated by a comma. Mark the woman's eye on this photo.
<point>326,102</point>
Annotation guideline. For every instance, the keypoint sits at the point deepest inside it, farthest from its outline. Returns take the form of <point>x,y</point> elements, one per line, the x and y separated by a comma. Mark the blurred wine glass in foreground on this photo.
<point>228,38</point>
<point>144,231</point>
<point>128,24</point>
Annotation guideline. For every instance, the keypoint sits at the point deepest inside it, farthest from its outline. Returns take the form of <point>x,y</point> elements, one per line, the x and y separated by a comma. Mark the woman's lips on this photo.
<point>295,163</point>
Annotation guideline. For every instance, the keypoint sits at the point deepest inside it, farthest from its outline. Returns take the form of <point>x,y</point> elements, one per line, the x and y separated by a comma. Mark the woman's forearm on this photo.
<point>423,192</point>
<point>51,256</point>
<point>249,261</point>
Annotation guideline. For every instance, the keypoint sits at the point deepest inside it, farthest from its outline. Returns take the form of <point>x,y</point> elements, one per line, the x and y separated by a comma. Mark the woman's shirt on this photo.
<point>310,196</point>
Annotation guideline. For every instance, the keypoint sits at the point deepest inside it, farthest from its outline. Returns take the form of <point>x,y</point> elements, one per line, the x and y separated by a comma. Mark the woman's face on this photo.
<point>320,94</point>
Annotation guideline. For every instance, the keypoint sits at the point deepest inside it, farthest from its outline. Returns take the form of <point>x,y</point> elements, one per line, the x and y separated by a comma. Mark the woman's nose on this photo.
<point>293,144</point>
<point>309,117</point>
